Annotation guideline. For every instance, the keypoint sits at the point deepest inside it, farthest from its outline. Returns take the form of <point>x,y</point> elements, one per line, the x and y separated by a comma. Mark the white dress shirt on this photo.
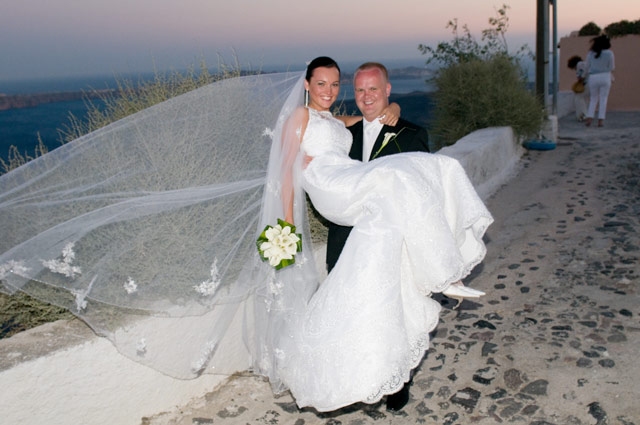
<point>369,136</point>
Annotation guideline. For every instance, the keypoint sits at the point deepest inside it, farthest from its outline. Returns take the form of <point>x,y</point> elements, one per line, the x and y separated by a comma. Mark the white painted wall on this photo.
<point>489,156</point>
<point>89,382</point>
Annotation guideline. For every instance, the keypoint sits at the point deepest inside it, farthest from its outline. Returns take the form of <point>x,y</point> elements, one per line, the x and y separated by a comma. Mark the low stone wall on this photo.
<point>489,156</point>
<point>62,373</point>
<point>565,103</point>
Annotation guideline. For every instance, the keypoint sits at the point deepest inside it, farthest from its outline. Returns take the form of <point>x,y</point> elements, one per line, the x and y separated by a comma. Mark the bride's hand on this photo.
<point>390,114</point>
<point>306,161</point>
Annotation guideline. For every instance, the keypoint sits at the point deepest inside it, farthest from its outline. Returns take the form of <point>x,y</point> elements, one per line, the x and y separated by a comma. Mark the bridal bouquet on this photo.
<point>278,244</point>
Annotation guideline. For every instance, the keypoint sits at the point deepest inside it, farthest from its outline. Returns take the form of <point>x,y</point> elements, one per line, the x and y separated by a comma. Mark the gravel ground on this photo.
<point>555,339</point>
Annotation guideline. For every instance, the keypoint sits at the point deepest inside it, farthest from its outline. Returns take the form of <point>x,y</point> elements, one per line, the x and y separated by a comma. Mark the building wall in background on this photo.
<point>625,90</point>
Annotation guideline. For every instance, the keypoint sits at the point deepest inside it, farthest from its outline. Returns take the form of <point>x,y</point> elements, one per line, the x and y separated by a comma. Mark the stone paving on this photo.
<point>554,341</point>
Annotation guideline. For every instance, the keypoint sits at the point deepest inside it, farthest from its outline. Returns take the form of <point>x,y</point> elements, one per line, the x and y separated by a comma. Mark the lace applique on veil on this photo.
<point>150,223</point>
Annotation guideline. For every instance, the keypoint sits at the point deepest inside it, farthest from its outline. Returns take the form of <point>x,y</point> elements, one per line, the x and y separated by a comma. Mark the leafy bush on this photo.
<point>623,27</point>
<point>20,312</point>
<point>465,47</point>
<point>590,29</point>
<point>483,93</point>
<point>481,84</point>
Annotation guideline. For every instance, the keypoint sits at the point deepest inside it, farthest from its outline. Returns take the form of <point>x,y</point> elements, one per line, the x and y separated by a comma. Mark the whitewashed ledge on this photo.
<point>489,156</point>
<point>62,373</point>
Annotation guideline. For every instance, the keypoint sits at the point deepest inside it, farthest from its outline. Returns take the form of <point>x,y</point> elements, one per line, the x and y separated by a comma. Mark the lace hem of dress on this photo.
<point>471,264</point>
<point>398,378</point>
<point>402,374</point>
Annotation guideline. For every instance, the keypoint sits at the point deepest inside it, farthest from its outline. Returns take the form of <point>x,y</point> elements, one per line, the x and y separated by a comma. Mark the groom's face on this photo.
<point>372,92</point>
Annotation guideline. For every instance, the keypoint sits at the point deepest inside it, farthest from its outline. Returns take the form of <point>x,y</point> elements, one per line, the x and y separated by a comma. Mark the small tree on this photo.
<point>483,93</point>
<point>465,48</point>
<point>624,27</point>
<point>481,84</point>
<point>590,29</point>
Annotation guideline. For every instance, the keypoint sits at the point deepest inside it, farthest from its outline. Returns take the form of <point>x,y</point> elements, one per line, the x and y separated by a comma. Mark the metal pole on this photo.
<point>542,51</point>
<point>555,57</point>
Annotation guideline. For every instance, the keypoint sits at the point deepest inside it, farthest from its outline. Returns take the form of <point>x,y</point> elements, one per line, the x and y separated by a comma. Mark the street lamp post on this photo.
<point>542,51</point>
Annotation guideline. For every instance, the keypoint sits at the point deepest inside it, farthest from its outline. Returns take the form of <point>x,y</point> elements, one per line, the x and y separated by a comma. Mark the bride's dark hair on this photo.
<point>320,62</point>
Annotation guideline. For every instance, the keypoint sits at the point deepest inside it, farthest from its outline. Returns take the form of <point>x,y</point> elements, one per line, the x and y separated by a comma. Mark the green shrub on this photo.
<point>481,84</point>
<point>483,93</point>
<point>465,47</point>
<point>624,27</point>
<point>20,312</point>
<point>590,29</point>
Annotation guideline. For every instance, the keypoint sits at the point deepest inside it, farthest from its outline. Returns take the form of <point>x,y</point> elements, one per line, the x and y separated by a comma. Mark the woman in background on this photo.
<point>600,64</point>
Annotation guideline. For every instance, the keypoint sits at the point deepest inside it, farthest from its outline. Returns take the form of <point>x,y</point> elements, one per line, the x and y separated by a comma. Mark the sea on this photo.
<point>22,127</point>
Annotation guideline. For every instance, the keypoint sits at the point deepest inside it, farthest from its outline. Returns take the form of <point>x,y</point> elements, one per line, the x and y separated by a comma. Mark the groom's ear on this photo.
<point>388,89</point>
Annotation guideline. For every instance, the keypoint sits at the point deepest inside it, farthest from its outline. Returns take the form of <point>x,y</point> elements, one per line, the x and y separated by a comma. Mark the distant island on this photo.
<point>16,101</point>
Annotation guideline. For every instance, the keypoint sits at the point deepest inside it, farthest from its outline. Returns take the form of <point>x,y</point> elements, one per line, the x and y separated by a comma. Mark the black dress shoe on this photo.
<point>395,402</point>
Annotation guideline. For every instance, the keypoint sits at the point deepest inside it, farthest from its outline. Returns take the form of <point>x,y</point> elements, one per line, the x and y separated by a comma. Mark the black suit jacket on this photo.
<point>412,139</point>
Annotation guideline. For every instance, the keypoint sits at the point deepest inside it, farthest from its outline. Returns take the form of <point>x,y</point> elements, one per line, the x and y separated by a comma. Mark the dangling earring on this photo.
<point>306,98</point>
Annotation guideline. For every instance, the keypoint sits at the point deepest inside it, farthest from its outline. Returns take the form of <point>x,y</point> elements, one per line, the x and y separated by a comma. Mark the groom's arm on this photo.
<point>338,235</point>
<point>336,240</point>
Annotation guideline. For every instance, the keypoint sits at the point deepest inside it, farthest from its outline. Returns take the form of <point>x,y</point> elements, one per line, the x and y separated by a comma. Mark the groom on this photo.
<point>372,90</point>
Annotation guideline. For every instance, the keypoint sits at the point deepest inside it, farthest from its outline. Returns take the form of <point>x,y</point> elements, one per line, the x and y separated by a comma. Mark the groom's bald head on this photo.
<point>367,66</point>
<point>371,89</point>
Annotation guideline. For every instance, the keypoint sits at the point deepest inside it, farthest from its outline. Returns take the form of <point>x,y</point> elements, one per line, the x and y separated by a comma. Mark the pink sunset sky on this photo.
<point>43,38</point>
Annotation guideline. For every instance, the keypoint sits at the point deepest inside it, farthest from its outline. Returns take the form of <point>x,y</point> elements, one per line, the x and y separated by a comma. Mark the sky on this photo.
<point>70,38</point>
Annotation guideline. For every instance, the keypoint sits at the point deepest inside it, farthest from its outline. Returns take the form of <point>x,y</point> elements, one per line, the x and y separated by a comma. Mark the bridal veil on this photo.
<point>146,228</point>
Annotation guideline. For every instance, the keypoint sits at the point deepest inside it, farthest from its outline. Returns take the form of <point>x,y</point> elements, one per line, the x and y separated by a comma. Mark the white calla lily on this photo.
<point>278,244</point>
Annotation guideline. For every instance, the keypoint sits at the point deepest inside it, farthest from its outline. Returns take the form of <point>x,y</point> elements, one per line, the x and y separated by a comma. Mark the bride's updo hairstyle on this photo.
<point>320,62</point>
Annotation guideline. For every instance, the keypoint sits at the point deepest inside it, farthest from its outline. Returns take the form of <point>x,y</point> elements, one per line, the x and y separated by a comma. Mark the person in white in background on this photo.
<point>600,64</point>
<point>580,99</point>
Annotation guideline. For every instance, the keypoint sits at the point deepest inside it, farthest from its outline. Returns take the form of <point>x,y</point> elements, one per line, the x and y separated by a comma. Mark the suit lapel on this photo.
<point>356,145</point>
<point>378,143</point>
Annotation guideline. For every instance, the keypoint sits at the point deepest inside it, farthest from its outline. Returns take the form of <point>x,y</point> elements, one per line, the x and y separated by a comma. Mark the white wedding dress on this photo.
<point>418,227</point>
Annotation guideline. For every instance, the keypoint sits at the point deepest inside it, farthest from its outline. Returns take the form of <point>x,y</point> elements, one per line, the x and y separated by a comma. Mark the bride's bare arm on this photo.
<point>389,116</point>
<point>292,133</point>
<point>349,120</point>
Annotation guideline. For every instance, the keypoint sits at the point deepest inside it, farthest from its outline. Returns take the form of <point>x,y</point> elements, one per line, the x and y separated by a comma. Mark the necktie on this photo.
<point>371,131</point>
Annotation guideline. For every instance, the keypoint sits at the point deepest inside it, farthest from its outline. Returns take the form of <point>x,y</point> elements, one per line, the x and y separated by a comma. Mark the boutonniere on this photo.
<point>389,137</point>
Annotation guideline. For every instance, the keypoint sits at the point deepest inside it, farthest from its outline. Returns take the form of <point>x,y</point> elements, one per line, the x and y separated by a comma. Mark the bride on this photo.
<point>146,229</point>
<point>417,229</point>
